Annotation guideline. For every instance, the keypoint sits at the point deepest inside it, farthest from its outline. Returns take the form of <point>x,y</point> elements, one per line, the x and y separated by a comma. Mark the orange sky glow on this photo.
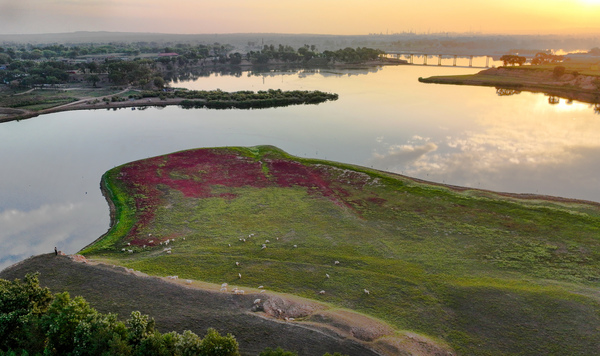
<point>338,17</point>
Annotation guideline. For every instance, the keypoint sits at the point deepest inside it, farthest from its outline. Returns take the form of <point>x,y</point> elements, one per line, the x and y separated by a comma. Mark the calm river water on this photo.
<point>469,136</point>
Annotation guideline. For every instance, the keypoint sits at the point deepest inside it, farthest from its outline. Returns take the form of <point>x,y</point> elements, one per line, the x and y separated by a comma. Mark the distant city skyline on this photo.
<point>336,17</point>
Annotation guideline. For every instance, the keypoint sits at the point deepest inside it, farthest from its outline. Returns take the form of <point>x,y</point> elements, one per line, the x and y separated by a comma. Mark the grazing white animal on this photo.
<point>263,246</point>
<point>188,281</point>
<point>267,241</point>
<point>322,292</point>
<point>128,244</point>
<point>260,287</point>
<point>367,291</point>
<point>123,249</point>
<point>256,301</point>
<point>277,238</point>
<point>130,251</point>
<point>262,291</point>
<point>237,263</point>
<point>239,275</point>
<point>149,235</point>
<point>144,246</point>
<point>223,289</point>
<point>151,241</point>
<point>224,285</point>
<point>183,238</point>
<point>238,291</point>
<point>327,275</point>
<point>229,245</point>
<point>337,262</point>
<point>172,277</point>
<point>295,246</point>
<point>169,252</point>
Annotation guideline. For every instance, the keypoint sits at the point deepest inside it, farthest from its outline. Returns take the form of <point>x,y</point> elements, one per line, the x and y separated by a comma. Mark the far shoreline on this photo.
<point>8,114</point>
<point>569,86</point>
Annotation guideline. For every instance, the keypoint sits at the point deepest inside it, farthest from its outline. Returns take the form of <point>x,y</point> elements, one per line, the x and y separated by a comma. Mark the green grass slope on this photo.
<point>486,274</point>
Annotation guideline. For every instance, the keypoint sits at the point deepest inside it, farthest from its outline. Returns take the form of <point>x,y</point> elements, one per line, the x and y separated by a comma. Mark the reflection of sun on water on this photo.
<point>565,105</point>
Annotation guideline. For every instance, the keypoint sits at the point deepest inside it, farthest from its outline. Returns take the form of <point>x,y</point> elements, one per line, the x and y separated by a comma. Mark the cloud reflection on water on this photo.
<point>508,149</point>
<point>37,231</point>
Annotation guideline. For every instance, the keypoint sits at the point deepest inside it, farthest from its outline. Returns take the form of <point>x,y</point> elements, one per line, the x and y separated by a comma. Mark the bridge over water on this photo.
<point>413,55</point>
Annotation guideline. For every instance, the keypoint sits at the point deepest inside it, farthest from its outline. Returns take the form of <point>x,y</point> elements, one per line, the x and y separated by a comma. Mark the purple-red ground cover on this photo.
<point>195,172</point>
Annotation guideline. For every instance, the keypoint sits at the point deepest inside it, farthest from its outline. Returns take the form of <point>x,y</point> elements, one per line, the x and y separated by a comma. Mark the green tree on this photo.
<point>5,58</point>
<point>62,320</point>
<point>22,303</point>
<point>159,82</point>
<point>277,352</point>
<point>189,344</point>
<point>94,78</point>
<point>140,327</point>
<point>558,71</point>
<point>513,59</point>
<point>101,335</point>
<point>213,344</point>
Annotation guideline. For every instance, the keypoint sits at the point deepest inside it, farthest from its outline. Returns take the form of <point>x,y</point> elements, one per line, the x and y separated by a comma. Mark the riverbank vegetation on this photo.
<point>484,273</point>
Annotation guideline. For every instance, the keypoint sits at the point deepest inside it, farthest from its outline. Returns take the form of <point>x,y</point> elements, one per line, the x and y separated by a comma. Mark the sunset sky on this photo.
<point>306,16</point>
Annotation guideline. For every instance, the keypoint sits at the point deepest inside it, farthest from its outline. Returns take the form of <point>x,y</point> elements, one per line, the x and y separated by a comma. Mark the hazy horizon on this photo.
<point>335,17</point>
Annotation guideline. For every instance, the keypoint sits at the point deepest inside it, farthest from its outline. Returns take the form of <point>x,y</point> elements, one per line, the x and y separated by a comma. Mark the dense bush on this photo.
<point>33,322</point>
<point>558,71</point>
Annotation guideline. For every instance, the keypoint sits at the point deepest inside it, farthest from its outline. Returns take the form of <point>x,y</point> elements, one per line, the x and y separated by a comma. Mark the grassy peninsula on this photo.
<point>461,270</point>
<point>572,79</point>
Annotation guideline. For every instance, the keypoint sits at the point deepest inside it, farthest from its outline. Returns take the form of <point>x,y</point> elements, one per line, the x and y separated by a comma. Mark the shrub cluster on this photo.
<point>34,322</point>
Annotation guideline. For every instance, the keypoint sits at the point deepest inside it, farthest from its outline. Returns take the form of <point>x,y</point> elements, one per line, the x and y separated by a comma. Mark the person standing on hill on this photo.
<point>55,251</point>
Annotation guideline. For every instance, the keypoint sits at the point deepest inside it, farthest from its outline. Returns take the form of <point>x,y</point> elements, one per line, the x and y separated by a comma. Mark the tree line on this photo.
<point>60,64</point>
<point>539,59</point>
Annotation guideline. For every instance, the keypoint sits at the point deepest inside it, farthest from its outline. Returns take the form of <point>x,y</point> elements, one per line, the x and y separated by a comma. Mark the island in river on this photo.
<point>188,99</point>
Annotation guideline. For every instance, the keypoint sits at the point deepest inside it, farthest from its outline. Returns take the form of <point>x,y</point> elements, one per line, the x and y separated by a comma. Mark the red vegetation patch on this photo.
<point>377,200</point>
<point>288,173</point>
<point>194,173</point>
